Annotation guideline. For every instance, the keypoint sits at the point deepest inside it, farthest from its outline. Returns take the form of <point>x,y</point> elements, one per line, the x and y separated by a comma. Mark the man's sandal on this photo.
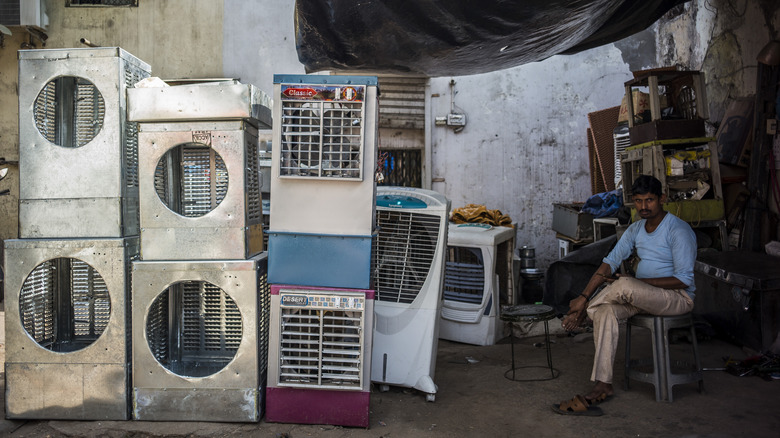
<point>577,406</point>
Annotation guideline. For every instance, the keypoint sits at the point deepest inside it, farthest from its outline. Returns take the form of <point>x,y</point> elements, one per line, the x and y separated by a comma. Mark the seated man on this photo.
<point>666,247</point>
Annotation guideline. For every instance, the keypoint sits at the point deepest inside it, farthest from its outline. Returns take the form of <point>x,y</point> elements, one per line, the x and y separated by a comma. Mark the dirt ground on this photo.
<point>474,399</point>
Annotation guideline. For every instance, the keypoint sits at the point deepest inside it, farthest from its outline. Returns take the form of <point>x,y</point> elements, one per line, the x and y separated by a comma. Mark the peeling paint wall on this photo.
<point>524,146</point>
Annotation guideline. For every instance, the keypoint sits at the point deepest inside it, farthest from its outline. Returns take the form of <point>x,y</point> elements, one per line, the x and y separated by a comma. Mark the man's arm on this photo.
<point>578,305</point>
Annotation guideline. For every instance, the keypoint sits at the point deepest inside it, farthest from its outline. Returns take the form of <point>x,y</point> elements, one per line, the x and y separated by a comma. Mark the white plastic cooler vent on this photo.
<point>320,137</point>
<point>191,179</point>
<point>464,275</point>
<point>64,305</point>
<point>321,343</point>
<point>194,328</point>
<point>405,248</point>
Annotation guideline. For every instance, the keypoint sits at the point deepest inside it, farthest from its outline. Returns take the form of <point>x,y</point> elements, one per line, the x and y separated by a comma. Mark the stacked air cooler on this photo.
<point>409,262</point>
<point>67,278</point>
<point>320,238</point>
<point>200,291</point>
<point>478,280</point>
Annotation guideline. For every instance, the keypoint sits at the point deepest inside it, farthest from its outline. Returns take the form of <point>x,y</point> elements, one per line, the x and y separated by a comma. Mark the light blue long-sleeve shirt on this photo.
<point>669,251</point>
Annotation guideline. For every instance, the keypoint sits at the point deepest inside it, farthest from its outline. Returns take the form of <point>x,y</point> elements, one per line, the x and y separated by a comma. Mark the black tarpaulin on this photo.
<point>459,37</point>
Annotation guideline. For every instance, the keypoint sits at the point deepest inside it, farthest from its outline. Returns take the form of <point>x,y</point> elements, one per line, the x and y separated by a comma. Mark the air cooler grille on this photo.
<point>191,180</point>
<point>406,246</point>
<point>194,328</point>
<point>322,139</point>
<point>69,111</point>
<point>464,275</point>
<point>321,344</point>
<point>254,204</point>
<point>64,304</point>
<point>132,76</point>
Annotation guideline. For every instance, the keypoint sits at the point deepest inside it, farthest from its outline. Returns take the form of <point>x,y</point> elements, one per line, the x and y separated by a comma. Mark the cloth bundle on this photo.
<point>475,213</point>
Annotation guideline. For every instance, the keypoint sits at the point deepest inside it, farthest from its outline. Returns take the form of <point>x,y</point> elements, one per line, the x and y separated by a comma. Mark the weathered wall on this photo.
<point>259,41</point>
<point>178,38</point>
<point>524,146</point>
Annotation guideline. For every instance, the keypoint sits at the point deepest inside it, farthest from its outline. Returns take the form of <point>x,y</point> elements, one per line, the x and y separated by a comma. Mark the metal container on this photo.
<point>67,305</point>
<point>738,294</point>
<point>77,152</point>
<point>200,340</point>
<point>199,191</point>
<point>223,100</point>
<point>570,221</point>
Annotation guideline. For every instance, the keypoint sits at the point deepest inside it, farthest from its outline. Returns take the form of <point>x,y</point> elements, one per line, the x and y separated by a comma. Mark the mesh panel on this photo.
<point>69,111</point>
<point>194,328</point>
<point>91,302</point>
<point>44,112</point>
<point>406,244</point>
<point>191,180</point>
<point>36,304</point>
<point>64,305</point>
<point>322,139</point>
<point>132,76</point>
<point>254,204</point>
<point>464,275</point>
<point>263,317</point>
<point>322,347</point>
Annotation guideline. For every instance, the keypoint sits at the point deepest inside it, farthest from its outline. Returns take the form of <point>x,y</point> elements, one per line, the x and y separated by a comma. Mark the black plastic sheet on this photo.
<point>459,37</point>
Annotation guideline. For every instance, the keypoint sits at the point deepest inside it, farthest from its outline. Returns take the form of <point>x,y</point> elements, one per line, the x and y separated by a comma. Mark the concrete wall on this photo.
<point>178,38</point>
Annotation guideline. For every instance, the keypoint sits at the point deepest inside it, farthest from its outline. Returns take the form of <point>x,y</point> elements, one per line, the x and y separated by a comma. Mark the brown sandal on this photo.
<point>577,406</point>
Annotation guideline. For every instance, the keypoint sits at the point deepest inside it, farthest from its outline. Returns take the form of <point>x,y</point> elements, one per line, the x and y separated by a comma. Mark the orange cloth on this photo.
<point>475,213</point>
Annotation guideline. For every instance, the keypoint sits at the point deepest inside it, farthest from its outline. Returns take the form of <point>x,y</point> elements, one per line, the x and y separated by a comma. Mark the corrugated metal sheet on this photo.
<point>402,102</point>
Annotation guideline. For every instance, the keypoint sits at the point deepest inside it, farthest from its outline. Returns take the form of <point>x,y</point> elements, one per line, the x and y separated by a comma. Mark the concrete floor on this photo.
<point>475,400</point>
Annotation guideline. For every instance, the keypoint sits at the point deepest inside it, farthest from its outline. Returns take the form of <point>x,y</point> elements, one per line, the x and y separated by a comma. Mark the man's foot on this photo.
<point>572,321</point>
<point>601,392</point>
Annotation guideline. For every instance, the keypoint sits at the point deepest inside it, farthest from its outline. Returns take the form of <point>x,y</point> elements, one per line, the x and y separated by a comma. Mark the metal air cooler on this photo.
<point>200,340</point>
<point>319,356</point>
<point>77,153</point>
<point>200,191</point>
<point>67,305</point>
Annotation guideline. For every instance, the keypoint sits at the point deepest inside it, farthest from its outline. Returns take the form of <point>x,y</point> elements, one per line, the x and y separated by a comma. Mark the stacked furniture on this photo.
<point>672,147</point>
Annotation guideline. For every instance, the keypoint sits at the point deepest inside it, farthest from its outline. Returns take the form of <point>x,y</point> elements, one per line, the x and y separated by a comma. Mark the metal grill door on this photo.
<point>321,343</point>
<point>406,245</point>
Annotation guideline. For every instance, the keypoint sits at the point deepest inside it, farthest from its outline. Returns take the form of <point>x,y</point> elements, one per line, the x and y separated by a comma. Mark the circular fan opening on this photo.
<point>64,305</point>
<point>194,329</point>
<point>69,111</point>
<point>191,179</point>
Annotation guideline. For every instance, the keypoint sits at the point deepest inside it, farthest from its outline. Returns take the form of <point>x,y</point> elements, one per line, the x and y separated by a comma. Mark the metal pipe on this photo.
<point>87,43</point>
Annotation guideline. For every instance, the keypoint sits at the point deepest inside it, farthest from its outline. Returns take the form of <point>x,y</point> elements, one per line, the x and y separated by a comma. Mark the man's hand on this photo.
<point>576,314</point>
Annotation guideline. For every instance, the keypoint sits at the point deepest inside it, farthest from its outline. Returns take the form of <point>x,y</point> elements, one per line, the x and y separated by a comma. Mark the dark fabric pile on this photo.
<point>459,37</point>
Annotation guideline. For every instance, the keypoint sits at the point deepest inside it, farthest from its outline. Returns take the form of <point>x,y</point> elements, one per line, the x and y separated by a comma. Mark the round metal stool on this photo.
<point>529,313</point>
